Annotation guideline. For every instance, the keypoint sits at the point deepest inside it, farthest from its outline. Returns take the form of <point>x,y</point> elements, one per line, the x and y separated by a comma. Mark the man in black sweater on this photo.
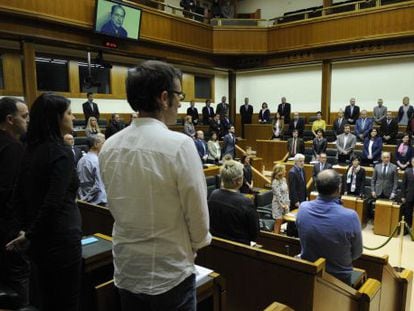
<point>14,268</point>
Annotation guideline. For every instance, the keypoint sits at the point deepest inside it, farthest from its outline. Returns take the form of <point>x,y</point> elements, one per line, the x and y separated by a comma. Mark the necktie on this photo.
<point>294,147</point>
<point>321,169</point>
<point>363,123</point>
<point>283,108</point>
<point>388,122</point>
<point>301,173</point>
<point>384,169</point>
<point>352,110</point>
<point>91,106</point>
<point>345,139</point>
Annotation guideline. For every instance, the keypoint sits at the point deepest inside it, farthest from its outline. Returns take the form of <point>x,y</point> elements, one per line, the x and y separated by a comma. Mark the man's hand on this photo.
<point>297,204</point>
<point>373,194</point>
<point>18,243</point>
<point>392,196</point>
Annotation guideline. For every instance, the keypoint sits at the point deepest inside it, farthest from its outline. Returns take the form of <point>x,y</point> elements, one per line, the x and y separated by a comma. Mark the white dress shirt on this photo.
<point>157,195</point>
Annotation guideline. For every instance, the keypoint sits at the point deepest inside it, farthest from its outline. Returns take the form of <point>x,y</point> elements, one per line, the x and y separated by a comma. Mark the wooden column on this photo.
<point>232,96</point>
<point>29,72</point>
<point>327,3</point>
<point>326,90</point>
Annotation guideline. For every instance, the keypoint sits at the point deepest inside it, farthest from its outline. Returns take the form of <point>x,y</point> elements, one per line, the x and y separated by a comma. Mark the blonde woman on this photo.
<point>92,128</point>
<point>189,127</point>
<point>280,202</point>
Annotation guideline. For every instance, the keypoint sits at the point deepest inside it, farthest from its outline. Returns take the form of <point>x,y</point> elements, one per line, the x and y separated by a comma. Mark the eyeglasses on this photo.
<point>181,95</point>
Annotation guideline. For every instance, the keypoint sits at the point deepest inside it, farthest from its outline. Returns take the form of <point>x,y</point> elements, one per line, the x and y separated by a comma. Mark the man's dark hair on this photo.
<point>117,6</point>
<point>347,125</point>
<point>146,82</point>
<point>89,93</point>
<point>8,105</point>
<point>328,182</point>
<point>45,115</point>
<point>91,141</point>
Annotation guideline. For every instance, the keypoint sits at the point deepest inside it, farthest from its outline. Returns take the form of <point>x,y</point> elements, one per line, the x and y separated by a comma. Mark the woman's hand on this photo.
<point>18,243</point>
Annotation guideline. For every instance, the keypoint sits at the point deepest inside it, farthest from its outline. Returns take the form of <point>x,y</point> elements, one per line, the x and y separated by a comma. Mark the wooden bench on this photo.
<point>255,277</point>
<point>395,286</point>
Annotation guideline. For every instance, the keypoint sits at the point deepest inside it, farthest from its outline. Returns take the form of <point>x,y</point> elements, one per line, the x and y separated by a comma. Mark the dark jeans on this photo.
<point>58,266</point>
<point>15,273</point>
<point>180,298</point>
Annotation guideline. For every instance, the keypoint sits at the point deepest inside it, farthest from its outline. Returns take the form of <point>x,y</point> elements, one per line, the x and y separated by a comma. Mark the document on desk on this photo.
<point>202,274</point>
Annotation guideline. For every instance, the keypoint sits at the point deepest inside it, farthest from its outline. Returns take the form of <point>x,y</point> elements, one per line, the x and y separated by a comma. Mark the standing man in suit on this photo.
<point>90,108</point>
<point>407,192</point>
<point>246,113</point>
<point>193,112</point>
<point>208,113</point>
<point>223,107</point>
<point>216,126</point>
<point>405,112</point>
<point>384,180</point>
<point>201,146</point>
<point>339,123</point>
<point>14,267</point>
<point>363,126</point>
<point>380,112</point>
<point>351,112</point>
<point>297,182</point>
<point>297,123</point>
<point>284,110</point>
<point>345,145</point>
<point>229,140</point>
<point>389,129</point>
<point>321,165</point>
<point>295,144</point>
<point>77,152</point>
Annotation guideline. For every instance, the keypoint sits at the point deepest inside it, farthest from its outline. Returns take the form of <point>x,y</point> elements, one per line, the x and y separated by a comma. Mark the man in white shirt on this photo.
<point>157,195</point>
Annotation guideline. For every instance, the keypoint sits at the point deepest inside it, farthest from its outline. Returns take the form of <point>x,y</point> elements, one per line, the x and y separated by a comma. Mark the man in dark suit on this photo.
<point>351,112</point>
<point>246,113</point>
<point>339,123</point>
<point>223,107</point>
<point>297,182</point>
<point>284,110</point>
<point>321,165</point>
<point>216,126</point>
<point>384,180</point>
<point>229,140</point>
<point>297,189</point>
<point>77,152</point>
<point>407,193</point>
<point>90,108</point>
<point>297,123</point>
<point>208,113</point>
<point>389,129</point>
<point>193,112</point>
<point>201,146</point>
<point>14,267</point>
<point>295,144</point>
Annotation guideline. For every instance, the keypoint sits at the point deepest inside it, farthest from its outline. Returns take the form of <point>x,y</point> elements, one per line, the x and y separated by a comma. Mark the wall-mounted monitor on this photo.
<point>117,20</point>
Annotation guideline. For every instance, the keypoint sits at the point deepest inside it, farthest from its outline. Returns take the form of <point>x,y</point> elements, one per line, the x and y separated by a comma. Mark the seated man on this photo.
<point>201,146</point>
<point>363,126</point>
<point>232,215</point>
<point>345,145</point>
<point>295,144</point>
<point>91,187</point>
<point>321,165</point>
<point>384,180</point>
<point>328,230</point>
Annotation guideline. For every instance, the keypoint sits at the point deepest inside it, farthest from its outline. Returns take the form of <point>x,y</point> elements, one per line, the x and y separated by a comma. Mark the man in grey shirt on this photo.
<point>380,112</point>
<point>91,187</point>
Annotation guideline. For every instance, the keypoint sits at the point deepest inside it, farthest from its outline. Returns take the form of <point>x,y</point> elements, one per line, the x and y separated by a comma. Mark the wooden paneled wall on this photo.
<point>158,27</point>
<point>12,74</point>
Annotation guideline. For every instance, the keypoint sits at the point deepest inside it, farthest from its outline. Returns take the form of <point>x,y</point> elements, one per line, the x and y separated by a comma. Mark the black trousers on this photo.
<point>408,213</point>
<point>15,273</point>
<point>58,265</point>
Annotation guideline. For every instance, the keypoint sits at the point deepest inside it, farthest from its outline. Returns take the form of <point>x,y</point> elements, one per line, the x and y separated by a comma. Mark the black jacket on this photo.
<point>87,111</point>
<point>297,186</point>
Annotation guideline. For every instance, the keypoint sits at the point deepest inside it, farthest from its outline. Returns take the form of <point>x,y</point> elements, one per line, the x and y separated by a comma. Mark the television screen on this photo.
<point>116,19</point>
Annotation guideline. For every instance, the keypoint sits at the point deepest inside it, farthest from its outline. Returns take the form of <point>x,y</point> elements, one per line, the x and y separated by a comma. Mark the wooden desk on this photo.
<point>212,170</point>
<point>386,217</point>
<point>253,132</point>
<point>271,151</point>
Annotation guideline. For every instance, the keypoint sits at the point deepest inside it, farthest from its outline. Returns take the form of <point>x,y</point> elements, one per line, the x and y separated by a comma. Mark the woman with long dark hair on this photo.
<point>46,204</point>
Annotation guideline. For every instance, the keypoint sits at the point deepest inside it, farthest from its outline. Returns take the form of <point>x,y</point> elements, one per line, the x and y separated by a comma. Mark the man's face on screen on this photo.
<point>118,17</point>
